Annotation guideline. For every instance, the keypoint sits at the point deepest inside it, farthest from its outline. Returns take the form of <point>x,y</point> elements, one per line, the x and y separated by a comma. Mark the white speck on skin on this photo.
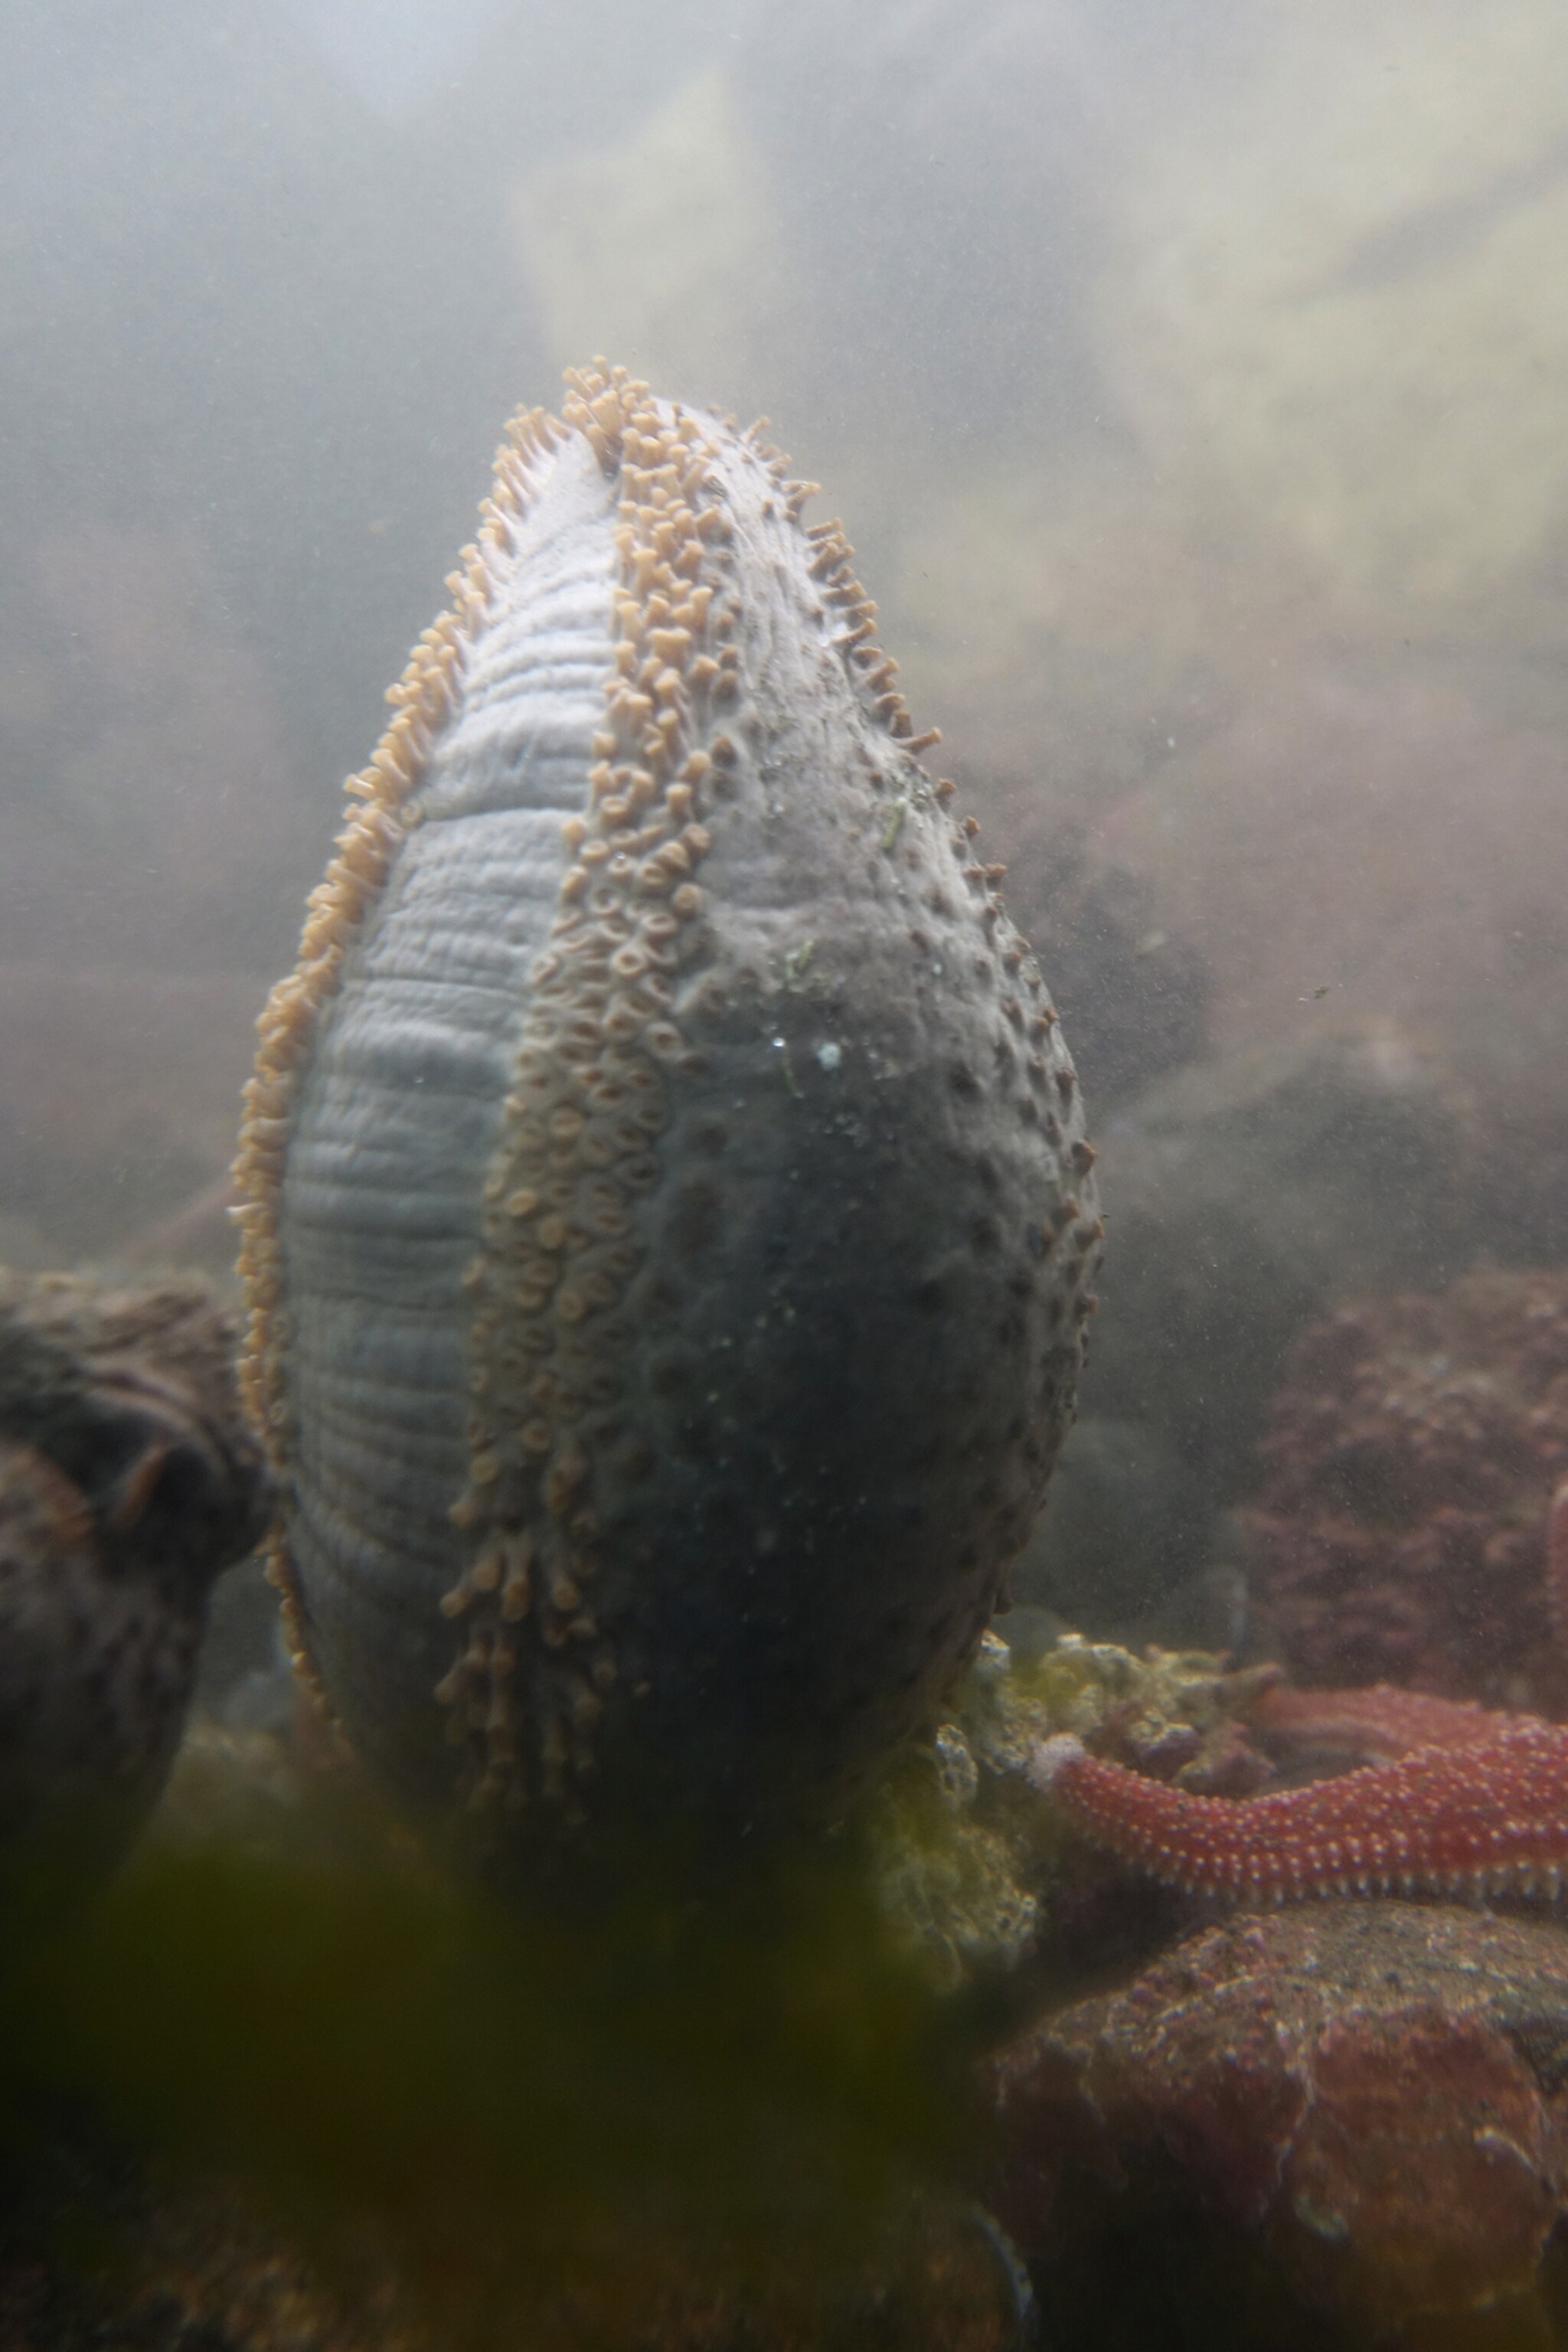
<point>829,1055</point>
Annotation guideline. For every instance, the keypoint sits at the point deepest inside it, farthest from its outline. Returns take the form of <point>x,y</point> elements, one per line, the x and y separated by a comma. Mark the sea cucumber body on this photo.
<point>400,1114</point>
<point>673,1224</point>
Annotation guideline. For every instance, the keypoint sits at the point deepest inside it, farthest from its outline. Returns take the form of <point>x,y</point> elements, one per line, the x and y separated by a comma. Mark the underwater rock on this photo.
<point>158,820</point>
<point>667,242</point>
<point>127,1485</point>
<point>1125,1520</point>
<point>1410,1460</point>
<point>155,836</point>
<point>1302,253</point>
<point>155,1060</point>
<point>1524,1173</point>
<point>23,1246</point>
<point>100,2247</point>
<point>670,1226</point>
<point>246,1680</point>
<point>1258,2095</point>
<point>1134,996</point>
<point>1321,845</point>
<point>1246,1194</point>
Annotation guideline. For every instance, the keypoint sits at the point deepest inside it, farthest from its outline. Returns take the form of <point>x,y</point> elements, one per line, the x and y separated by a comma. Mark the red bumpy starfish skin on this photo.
<point>1375,1720</point>
<point>1487,1817</point>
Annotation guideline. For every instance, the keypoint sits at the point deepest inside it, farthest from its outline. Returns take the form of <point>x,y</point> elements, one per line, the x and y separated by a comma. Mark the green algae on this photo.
<point>560,2119</point>
<point>965,1854</point>
<point>567,2111</point>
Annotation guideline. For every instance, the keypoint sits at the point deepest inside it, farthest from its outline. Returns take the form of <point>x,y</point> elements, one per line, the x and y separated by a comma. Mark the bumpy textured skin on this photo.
<point>128,1482</point>
<point>670,1223</point>
<point>1486,1814</point>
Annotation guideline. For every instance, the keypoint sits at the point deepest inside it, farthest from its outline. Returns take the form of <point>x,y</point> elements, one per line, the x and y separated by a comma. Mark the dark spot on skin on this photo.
<point>962,1080</point>
<point>698,1437</point>
<point>694,1215</point>
<point>727,1522</point>
<point>655,1296</point>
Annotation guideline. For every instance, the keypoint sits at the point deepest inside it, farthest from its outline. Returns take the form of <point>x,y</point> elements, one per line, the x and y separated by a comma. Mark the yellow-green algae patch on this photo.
<point>343,2081</point>
<point>964,1852</point>
<point>567,2126</point>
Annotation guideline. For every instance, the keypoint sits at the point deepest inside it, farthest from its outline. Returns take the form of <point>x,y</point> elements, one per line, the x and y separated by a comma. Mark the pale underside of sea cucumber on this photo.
<point>670,1225</point>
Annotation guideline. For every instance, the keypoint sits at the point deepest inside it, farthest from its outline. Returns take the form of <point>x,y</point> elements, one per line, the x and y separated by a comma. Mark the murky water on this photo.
<point>1190,381</point>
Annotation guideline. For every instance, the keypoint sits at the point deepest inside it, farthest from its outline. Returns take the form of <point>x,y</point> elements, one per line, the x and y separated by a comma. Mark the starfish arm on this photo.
<point>1481,1817</point>
<point>1377,1722</point>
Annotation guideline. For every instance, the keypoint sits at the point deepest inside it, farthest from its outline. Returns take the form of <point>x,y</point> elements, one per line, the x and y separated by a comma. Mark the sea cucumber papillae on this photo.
<point>669,1224</point>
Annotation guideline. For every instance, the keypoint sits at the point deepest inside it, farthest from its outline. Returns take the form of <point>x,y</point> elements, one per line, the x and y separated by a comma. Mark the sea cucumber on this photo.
<point>669,1228</point>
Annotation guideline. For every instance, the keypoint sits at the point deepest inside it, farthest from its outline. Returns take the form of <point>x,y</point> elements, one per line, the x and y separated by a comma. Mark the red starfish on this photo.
<point>1486,1816</point>
<point>1373,1721</point>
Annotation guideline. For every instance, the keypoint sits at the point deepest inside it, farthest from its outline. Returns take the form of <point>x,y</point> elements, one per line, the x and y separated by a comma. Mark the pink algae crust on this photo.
<point>1400,1530</point>
<point>1356,2092</point>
